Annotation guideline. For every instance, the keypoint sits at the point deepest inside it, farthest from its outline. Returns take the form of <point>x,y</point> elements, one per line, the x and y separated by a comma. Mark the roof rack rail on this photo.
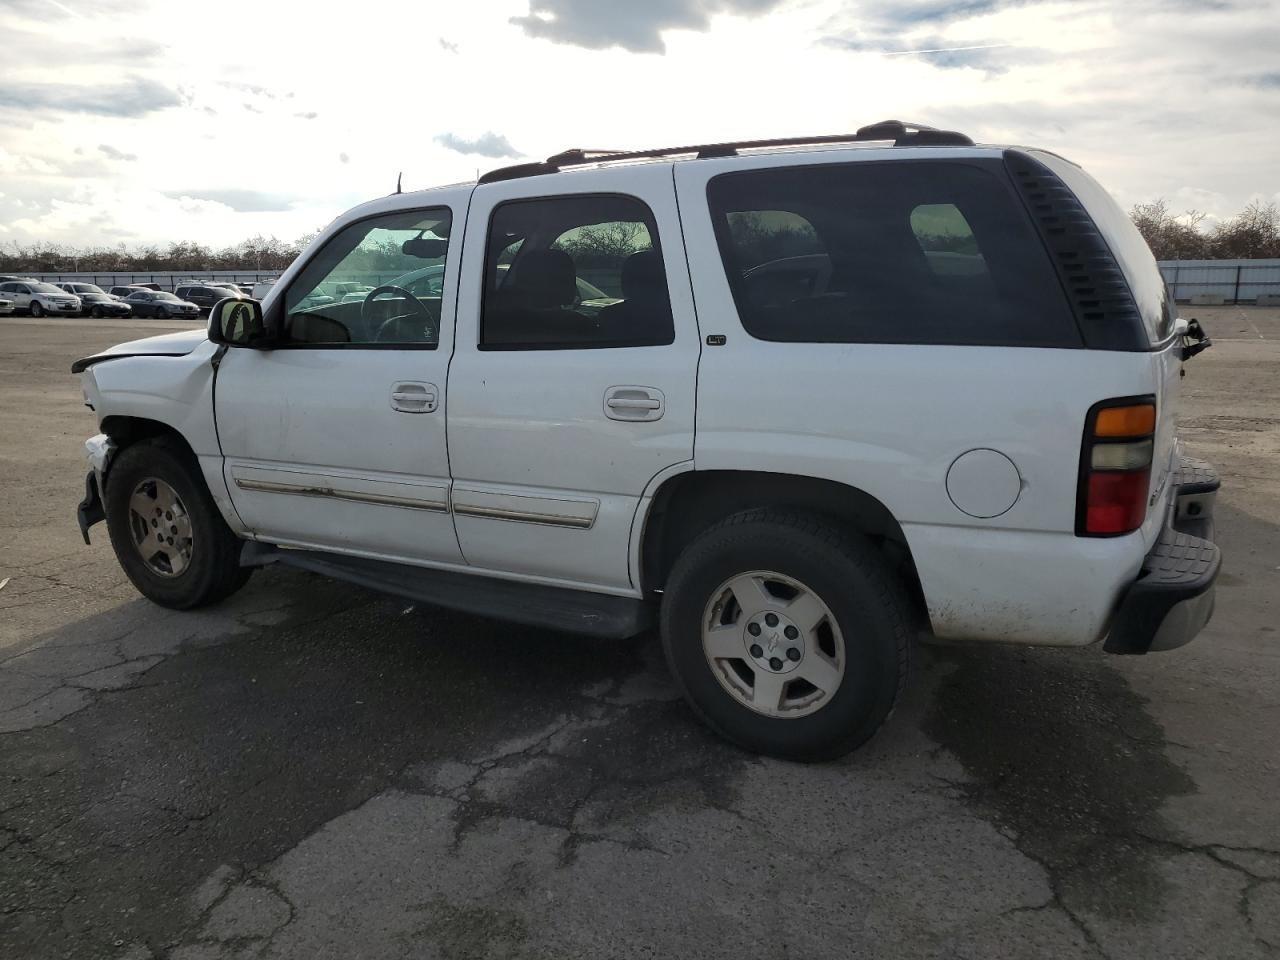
<point>902,134</point>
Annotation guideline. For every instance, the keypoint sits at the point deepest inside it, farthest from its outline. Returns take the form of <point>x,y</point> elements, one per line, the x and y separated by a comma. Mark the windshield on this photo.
<point>163,296</point>
<point>86,288</point>
<point>45,288</point>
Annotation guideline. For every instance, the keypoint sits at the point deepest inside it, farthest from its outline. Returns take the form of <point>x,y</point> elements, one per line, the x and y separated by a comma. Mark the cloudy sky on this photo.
<point>156,120</point>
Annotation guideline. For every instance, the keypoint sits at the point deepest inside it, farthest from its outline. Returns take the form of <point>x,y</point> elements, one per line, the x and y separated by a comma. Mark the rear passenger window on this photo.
<point>901,252</point>
<point>576,272</point>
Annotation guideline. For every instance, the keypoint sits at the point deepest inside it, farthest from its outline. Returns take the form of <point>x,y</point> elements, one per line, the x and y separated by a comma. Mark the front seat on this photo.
<point>536,302</point>
<point>645,310</point>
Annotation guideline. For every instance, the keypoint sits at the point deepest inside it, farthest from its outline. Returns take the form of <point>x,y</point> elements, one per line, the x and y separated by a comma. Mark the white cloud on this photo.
<point>1154,102</point>
<point>489,144</point>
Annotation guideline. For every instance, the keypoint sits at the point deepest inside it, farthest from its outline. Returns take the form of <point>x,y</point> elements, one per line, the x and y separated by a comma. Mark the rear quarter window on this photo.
<point>1150,294</point>
<point>936,252</point>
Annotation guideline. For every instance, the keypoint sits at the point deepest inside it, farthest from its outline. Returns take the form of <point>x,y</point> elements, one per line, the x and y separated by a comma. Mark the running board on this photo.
<point>554,608</point>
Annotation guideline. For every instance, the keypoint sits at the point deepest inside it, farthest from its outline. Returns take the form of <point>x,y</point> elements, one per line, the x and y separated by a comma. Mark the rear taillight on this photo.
<point>1115,467</point>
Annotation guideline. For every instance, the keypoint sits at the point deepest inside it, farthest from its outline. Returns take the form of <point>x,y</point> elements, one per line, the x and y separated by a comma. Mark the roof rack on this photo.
<point>901,133</point>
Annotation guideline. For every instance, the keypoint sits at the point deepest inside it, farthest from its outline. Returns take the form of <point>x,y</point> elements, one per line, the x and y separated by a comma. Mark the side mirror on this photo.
<point>237,323</point>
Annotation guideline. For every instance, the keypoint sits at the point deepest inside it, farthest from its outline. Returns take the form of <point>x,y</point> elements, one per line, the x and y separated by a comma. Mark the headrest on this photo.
<point>546,279</point>
<point>642,275</point>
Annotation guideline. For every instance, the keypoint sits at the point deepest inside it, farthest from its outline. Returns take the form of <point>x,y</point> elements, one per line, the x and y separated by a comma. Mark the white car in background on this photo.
<point>39,298</point>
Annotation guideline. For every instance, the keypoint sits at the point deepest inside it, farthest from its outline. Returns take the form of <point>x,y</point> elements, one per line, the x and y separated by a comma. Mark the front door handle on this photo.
<point>634,403</point>
<point>412,396</point>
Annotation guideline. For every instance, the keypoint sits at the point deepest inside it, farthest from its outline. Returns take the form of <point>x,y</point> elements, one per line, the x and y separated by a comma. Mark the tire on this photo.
<point>36,309</point>
<point>95,312</point>
<point>162,313</point>
<point>210,571</point>
<point>859,652</point>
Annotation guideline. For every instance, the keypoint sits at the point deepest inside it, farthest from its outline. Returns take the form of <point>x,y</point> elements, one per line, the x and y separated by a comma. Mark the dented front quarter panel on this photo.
<point>176,391</point>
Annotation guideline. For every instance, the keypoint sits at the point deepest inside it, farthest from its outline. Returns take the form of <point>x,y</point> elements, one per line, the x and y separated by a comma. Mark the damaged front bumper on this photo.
<point>1173,597</point>
<point>99,450</point>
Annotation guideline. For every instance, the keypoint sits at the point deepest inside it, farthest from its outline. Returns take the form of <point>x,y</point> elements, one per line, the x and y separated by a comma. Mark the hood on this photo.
<point>166,345</point>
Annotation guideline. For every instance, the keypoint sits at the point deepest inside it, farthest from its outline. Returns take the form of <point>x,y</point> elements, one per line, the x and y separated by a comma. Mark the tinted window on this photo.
<point>8,287</point>
<point>360,288</point>
<point>574,272</point>
<point>901,252</point>
<point>1126,243</point>
<point>183,292</point>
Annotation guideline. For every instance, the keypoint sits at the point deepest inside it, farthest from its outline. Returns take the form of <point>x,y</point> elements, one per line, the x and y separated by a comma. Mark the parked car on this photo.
<point>95,302</point>
<point>205,295</point>
<point>162,305</point>
<point>38,298</point>
<point>261,289</point>
<point>125,291</point>
<point>792,482</point>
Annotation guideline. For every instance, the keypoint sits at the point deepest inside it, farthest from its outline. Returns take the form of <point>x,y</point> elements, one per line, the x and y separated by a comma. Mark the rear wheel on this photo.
<point>95,312</point>
<point>787,636</point>
<point>166,530</point>
<point>36,309</point>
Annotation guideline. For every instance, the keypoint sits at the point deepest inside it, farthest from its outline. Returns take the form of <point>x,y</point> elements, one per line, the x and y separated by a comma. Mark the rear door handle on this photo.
<point>634,403</point>
<point>413,396</point>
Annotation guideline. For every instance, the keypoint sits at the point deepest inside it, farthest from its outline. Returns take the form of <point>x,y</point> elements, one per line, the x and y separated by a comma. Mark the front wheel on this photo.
<point>96,313</point>
<point>166,530</point>
<point>162,313</point>
<point>787,635</point>
<point>36,309</point>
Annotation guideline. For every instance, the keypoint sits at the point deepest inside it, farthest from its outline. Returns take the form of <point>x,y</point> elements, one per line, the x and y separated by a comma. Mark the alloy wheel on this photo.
<point>160,528</point>
<point>773,644</point>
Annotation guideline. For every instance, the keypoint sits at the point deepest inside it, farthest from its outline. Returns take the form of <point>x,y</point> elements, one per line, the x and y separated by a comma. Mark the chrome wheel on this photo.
<point>160,527</point>
<point>773,644</point>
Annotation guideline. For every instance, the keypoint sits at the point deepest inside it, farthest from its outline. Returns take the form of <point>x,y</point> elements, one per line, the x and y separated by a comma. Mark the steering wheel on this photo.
<point>393,329</point>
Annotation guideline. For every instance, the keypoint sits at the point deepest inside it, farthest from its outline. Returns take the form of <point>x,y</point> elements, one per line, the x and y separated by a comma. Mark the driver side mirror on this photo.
<point>237,323</point>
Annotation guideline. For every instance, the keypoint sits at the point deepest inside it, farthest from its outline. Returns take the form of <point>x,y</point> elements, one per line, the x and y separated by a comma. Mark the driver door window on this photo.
<point>377,282</point>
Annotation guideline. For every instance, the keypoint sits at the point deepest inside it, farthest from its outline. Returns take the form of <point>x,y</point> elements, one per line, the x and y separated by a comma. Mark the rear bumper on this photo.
<point>1172,599</point>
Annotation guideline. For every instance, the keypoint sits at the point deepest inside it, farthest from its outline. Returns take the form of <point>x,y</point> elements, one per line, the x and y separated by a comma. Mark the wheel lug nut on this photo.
<point>756,650</point>
<point>793,654</point>
<point>791,633</point>
<point>775,663</point>
<point>175,530</point>
<point>771,619</point>
<point>154,523</point>
<point>753,629</point>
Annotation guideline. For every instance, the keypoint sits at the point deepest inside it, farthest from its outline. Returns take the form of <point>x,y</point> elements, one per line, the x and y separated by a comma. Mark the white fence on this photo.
<point>1236,281</point>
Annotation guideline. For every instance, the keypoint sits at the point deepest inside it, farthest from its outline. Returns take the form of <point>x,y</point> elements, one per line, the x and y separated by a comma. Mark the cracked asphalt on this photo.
<point>313,771</point>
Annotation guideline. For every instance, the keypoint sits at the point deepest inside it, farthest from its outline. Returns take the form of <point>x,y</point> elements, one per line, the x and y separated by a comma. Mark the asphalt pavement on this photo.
<point>310,770</point>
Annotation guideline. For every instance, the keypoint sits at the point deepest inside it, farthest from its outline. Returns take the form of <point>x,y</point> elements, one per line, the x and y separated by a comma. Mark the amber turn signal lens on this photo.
<point>1136,421</point>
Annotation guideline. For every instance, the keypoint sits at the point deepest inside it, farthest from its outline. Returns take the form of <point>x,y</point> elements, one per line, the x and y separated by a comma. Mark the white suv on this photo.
<point>39,298</point>
<point>841,391</point>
